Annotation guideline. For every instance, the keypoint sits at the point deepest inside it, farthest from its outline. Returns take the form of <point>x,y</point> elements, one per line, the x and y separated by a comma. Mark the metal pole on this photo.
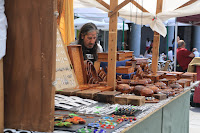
<point>175,45</point>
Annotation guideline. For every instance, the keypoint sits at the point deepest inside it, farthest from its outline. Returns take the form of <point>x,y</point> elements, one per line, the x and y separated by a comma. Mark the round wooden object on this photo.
<point>124,88</point>
<point>147,92</point>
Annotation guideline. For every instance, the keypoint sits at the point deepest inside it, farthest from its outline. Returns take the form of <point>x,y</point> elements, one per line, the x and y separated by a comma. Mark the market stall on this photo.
<point>30,68</point>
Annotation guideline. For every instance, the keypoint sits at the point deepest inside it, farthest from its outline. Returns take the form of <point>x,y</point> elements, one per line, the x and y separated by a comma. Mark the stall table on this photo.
<point>171,117</point>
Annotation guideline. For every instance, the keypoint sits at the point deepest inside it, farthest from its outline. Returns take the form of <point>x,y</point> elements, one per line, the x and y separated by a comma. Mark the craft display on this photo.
<point>65,76</point>
<point>92,77</point>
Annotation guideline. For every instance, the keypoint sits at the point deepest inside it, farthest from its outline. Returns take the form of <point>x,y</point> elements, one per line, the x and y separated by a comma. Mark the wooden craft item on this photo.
<point>153,77</point>
<point>139,82</point>
<point>103,83</point>
<point>135,100</point>
<point>175,85</point>
<point>170,76</point>
<point>103,57</point>
<point>166,81</point>
<point>147,92</point>
<point>83,87</point>
<point>65,76</point>
<point>153,88</point>
<point>107,96</point>
<point>188,81</point>
<point>182,83</point>
<point>128,54</point>
<point>124,88</point>
<point>88,94</point>
<point>76,56</point>
<point>121,99</point>
<point>131,63</point>
<point>160,96</point>
<point>102,76</point>
<point>124,81</point>
<point>103,88</point>
<point>125,69</point>
<point>92,77</point>
<point>68,92</point>
<point>141,60</point>
<point>193,76</point>
<point>137,90</point>
<point>152,101</point>
<point>179,74</point>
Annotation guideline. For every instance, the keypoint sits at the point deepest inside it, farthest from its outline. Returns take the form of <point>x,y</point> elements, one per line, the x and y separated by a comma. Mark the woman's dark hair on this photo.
<point>86,28</point>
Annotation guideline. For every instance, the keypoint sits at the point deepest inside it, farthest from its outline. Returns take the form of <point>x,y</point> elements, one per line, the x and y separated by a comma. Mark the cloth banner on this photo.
<point>67,22</point>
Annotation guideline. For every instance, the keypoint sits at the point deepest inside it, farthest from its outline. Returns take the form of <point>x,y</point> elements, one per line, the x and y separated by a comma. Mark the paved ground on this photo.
<point>194,120</point>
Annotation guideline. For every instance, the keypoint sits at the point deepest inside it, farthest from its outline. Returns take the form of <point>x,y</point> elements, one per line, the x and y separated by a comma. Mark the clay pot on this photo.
<point>147,92</point>
<point>124,88</point>
<point>137,89</point>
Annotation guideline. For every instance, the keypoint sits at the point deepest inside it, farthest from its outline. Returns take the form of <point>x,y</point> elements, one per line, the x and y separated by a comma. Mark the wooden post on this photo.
<point>156,42</point>
<point>112,49</point>
<point>1,98</point>
<point>29,65</point>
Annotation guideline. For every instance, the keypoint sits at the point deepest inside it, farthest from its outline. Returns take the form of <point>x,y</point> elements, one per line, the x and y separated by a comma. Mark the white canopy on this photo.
<point>79,22</point>
<point>130,12</point>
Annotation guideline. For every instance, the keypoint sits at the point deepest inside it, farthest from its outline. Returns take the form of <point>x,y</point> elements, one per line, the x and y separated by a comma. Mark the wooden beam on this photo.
<point>1,98</point>
<point>112,45</point>
<point>187,3</point>
<point>156,41</point>
<point>139,6</point>
<point>104,4</point>
<point>119,7</point>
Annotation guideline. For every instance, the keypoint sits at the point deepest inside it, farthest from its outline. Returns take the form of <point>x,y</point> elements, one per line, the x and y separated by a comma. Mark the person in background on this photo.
<point>149,53</point>
<point>173,43</point>
<point>148,43</point>
<point>88,40</point>
<point>184,57</point>
<point>195,51</point>
<point>170,54</point>
<point>151,43</point>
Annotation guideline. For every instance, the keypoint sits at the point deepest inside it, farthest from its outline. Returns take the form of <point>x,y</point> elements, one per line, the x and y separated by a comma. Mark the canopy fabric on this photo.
<point>130,12</point>
<point>3,30</point>
<point>67,22</point>
<point>79,22</point>
<point>194,19</point>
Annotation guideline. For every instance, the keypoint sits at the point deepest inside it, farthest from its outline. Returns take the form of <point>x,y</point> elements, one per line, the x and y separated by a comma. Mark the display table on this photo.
<point>171,117</point>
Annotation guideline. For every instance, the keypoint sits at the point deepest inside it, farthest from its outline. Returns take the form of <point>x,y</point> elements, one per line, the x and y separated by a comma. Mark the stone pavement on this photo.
<point>194,126</point>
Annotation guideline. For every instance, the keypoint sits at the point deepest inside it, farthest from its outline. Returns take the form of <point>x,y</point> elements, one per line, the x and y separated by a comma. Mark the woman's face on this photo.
<point>89,39</point>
